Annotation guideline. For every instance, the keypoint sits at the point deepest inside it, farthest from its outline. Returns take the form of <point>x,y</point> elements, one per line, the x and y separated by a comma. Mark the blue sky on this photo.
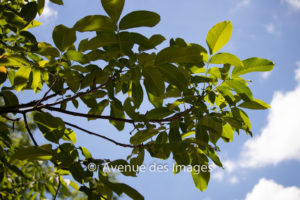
<point>263,167</point>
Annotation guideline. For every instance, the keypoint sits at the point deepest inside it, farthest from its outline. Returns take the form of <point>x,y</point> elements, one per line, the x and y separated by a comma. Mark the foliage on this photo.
<point>197,95</point>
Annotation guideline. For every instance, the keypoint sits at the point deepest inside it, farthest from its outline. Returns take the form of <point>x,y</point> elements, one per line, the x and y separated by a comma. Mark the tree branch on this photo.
<point>28,130</point>
<point>168,119</point>
<point>77,95</point>
<point>8,109</point>
<point>45,95</point>
<point>59,183</point>
<point>104,137</point>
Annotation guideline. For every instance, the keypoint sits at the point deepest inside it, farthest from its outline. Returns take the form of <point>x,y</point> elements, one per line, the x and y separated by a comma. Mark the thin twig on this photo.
<point>59,183</point>
<point>168,119</point>
<point>101,196</point>
<point>8,109</point>
<point>104,137</point>
<point>45,95</point>
<point>75,96</point>
<point>28,130</point>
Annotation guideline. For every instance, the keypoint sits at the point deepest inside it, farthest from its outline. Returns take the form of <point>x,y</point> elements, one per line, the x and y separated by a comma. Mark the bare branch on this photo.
<point>77,95</point>
<point>28,130</point>
<point>89,115</point>
<point>59,184</point>
<point>168,119</point>
<point>45,95</point>
<point>104,137</point>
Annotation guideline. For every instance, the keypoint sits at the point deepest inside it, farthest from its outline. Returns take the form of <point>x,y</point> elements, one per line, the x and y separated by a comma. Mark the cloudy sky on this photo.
<point>263,167</point>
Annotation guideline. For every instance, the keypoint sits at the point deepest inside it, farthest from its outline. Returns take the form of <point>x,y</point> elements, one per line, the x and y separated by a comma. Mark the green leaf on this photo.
<point>227,133</point>
<point>116,110</point>
<point>253,65</point>
<point>142,136</point>
<point>153,81</point>
<point>189,54</point>
<point>63,37</point>
<point>127,171</point>
<point>113,8</point>
<point>104,39</point>
<point>175,76</point>
<point>43,152</point>
<point>158,113</point>
<point>85,152</point>
<point>226,58</point>
<point>200,179</point>
<point>131,192</point>
<point>94,23</point>
<point>14,60</point>
<point>58,2</point>
<point>218,36</point>
<point>138,161</point>
<point>241,88</point>
<point>41,5</point>
<point>69,135</point>
<point>137,94</point>
<point>138,19</point>
<point>53,128</point>
<point>255,104</point>
<point>29,11</point>
<point>10,98</point>
<point>21,77</point>
<point>76,56</point>
<point>97,110</point>
<point>46,49</point>
<point>36,79</point>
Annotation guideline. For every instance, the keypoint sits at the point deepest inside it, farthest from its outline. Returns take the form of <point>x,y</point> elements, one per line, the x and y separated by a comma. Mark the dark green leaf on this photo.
<point>52,127</point>
<point>63,37</point>
<point>41,5</point>
<point>139,19</point>
<point>76,56</point>
<point>116,110</point>
<point>175,54</point>
<point>29,11</point>
<point>175,76</point>
<point>46,49</point>
<point>153,81</point>
<point>10,98</point>
<point>58,2</point>
<point>43,152</point>
<point>113,8</point>
<point>94,23</point>
<point>142,136</point>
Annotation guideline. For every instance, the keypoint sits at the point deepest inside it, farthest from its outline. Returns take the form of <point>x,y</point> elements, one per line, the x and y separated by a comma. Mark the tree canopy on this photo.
<point>198,99</point>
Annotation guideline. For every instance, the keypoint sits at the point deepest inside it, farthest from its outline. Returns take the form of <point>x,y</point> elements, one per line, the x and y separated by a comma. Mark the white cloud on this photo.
<point>48,13</point>
<point>294,4</point>
<point>270,28</point>
<point>234,180</point>
<point>266,75</point>
<point>280,138</point>
<point>269,189</point>
<point>229,166</point>
<point>240,4</point>
<point>218,175</point>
